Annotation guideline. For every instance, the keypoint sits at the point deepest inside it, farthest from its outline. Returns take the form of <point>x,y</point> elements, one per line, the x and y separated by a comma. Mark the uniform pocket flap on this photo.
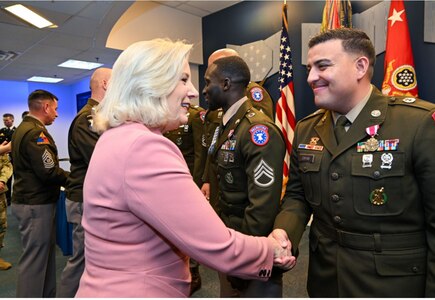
<point>401,263</point>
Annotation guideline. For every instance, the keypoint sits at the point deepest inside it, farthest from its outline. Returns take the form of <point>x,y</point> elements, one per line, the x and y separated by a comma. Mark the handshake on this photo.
<point>282,256</point>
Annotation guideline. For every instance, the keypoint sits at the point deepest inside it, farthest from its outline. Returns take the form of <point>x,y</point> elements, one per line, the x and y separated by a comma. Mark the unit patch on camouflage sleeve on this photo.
<point>42,140</point>
<point>47,159</point>
<point>264,175</point>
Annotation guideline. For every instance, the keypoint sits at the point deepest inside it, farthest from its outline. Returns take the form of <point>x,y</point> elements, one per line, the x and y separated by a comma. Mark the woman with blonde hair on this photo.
<point>143,214</point>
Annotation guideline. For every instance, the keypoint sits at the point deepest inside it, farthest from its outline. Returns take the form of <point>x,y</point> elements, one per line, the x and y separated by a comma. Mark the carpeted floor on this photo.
<point>294,280</point>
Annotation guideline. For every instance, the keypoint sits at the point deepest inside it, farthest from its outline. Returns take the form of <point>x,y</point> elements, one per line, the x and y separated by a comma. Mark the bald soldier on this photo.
<point>81,143</point>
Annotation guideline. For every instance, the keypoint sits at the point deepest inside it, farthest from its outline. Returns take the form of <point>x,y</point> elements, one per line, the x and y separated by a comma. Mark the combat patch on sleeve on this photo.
<point>42,140</point>
<point>259,134</point>
<point>257,94</point>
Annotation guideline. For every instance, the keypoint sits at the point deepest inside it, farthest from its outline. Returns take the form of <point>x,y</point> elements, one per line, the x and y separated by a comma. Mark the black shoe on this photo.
<point>196,280</point>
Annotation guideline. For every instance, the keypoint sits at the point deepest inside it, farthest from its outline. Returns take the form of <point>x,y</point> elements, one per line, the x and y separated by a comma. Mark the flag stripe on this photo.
<point>285,108</point>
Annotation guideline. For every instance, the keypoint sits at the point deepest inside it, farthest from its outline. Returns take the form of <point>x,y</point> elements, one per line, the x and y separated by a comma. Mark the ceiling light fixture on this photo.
<point>29,16</point>
<point>45,79</point>
<point>79,64</point>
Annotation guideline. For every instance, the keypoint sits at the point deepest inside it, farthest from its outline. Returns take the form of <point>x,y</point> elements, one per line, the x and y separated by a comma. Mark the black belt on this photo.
<point>371,242</point>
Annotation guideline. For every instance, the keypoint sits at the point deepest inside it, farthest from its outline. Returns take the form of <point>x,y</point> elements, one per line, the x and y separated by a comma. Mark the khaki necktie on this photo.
<point>339,129</point>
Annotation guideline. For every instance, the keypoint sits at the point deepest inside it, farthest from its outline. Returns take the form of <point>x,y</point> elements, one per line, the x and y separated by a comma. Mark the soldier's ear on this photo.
<point>226,84</point>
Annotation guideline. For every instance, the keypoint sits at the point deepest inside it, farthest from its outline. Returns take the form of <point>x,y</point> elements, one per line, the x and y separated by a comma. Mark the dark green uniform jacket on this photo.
<point>250,154</point>
<point>188,139</point>
<point>81,144</point>
<point>373,230</point>
<point>37,175</point>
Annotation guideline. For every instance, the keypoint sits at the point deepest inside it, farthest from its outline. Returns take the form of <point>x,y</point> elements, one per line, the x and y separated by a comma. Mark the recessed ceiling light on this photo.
<point>29,16</point>
<point>79,64</point>
<point>45,79</point>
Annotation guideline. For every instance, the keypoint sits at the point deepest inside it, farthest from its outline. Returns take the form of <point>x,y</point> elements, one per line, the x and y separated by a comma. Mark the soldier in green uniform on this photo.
<point>37,183</point>
<point>5,174</point>
<point>249,152</point>
<point>188,139</point>
<point>368,181</point>
<point>259,98</point>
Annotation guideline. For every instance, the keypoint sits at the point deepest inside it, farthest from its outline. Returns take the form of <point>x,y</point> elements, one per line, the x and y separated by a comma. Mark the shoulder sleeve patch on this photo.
<point>256,94</point>
<point>259,134</point>
<point>42,139</point>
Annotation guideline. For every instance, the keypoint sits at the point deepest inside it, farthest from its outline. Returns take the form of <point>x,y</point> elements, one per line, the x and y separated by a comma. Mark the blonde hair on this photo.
<point>142,77</point>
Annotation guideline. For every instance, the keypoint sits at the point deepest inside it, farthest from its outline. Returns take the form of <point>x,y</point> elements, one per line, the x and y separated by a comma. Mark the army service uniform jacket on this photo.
<point>37,175</point>
<point>81,144</point>
<point>373,230</point>
<point>188,139</point>
<point>249,155</point>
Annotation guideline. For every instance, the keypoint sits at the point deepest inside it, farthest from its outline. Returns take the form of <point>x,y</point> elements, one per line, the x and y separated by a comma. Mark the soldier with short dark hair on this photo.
<point>37,182</point>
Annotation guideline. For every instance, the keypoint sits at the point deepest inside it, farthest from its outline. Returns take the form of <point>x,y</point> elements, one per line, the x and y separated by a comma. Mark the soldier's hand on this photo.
<point>283,257</point>
<point>205,189</point>
<point>5,147</point>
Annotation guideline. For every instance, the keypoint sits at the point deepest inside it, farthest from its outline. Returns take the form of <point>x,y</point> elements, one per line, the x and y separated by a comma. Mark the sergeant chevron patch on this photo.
<point>264,175</point>
<point>47,159</point>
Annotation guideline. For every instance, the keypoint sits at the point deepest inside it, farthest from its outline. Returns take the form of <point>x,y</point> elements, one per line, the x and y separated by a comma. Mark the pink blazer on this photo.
<point>143,216</point>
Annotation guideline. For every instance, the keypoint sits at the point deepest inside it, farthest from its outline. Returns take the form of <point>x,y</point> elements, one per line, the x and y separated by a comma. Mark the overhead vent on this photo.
<point>8,55</point>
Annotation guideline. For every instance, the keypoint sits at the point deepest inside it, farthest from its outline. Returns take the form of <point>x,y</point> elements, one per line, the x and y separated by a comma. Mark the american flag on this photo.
<point>285,108</point>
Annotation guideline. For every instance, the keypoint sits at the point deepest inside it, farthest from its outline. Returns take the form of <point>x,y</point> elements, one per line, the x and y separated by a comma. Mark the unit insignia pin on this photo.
<point>375,113</point>
<point>378,197</point>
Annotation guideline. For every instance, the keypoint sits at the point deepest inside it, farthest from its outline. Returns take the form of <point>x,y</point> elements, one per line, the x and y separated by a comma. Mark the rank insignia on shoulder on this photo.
<point>256,94</point>
<point>259,134</point>
<point>42,140</point>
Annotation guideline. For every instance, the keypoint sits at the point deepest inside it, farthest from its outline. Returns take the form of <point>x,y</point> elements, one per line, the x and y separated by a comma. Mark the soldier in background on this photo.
<point>259,98</point>
<point>81,144</point>
<point>188,139</point>
<point>37,182</point>
<point>5,174</point>
<point>6,135</point>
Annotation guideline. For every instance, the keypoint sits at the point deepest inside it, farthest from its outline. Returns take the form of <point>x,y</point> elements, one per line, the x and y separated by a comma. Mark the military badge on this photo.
<point>42,140</point>
<point>314,140</point>
<point>409,100</point>
<point>367,160</point>
<point>372,144</point>
<point>264,175</point>
<point>387,160</point>
<point>259,134</point>
<point>256,94</point>
<point>202,116</point>
<point>378,197</point>
<point>229,178</point>
<point>375,113</point>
